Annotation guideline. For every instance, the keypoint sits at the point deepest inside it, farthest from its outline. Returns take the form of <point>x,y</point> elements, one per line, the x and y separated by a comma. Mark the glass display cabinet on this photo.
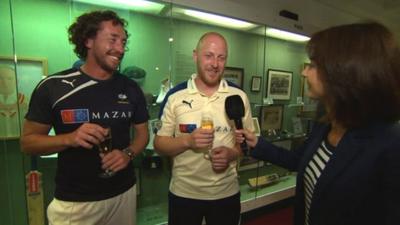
<point>162,36</point>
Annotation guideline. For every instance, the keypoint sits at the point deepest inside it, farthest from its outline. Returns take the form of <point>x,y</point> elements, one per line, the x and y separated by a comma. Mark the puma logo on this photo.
<point>69,82</point>
<point>188,103</point>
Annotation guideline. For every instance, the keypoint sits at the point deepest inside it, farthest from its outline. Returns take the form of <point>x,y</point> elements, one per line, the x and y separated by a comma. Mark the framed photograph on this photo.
<point>29,71</point>
<point>310,105</point>
<point>279,84</point>
<point>255,83</point>
<point>271,117</point>
<point>18,80</point>
<point>297,125</point>
<point>234,75</point>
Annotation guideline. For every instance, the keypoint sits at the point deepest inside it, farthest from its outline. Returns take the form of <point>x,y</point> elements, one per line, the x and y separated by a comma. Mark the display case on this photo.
<point>154,174</point>
<point>162,38</point>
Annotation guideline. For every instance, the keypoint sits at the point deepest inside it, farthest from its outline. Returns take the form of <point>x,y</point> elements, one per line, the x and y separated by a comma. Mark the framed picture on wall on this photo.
<point>310,105</point>
<point>234,75</point>
<point>271,117</point>
<point>255,83</point>
<point>29,71</point>
<point>279,84</point>
<point>18,80</point>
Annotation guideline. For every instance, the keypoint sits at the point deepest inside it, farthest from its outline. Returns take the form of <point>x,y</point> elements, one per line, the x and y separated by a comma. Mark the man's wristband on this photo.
<point>129,152</point>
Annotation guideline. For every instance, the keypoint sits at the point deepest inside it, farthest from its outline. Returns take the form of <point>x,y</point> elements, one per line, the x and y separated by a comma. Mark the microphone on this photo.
<point>234,108</point>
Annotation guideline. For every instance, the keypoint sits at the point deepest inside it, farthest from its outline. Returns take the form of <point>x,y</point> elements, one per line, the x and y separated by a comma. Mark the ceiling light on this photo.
<point>219,20</point>
<point>285,35</point>
<point>139,5</point>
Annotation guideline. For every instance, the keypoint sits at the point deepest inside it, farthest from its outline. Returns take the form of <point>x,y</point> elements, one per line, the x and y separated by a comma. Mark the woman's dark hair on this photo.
<point>87,25</point>
<point>359,67</point>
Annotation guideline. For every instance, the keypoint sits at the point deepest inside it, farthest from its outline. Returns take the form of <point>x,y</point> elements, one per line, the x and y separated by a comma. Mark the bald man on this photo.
<point>204,180</point>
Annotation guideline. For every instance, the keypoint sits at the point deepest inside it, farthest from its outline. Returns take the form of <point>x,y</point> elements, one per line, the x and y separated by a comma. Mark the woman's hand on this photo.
<point>244,134</point>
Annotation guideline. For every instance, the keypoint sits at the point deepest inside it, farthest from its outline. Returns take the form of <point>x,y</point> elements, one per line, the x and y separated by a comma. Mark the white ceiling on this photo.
<point>384,11</point>
<point>313,14</point>
<point>320,14</point>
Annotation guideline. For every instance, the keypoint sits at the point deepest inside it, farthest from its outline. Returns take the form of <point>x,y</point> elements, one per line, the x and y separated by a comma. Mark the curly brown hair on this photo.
<point>86,27</point>
<point>359,67</point>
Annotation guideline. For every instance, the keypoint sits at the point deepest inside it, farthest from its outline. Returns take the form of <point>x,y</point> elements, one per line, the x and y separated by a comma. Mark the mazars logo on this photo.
<point>71,116</point>
<point>111,115</point>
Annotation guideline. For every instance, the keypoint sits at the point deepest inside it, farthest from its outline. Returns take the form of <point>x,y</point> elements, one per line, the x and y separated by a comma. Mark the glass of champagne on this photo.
<point>106,147</point>
<point>207,123</point>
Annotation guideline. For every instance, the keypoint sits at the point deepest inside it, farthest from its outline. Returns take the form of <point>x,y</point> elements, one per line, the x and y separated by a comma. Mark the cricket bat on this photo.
<point>262,181</point>
<point>34,194</point>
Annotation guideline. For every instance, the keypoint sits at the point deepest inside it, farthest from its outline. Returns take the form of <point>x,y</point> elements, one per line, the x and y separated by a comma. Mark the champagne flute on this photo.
<point>105,147</point>
<point>207,123</point>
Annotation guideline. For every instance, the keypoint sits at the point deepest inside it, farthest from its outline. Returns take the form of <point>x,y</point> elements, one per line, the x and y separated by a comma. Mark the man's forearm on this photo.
<point>171,146</point>
<point>40,144</point>
<point>139,143</point>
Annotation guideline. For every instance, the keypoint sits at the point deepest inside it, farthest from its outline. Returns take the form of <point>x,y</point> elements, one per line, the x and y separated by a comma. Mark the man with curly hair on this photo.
<point>85,105</point>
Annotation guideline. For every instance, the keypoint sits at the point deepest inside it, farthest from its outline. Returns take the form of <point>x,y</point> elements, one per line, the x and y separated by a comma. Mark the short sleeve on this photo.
<point>40,106</point>
<point>248,120</point>
<point>167,120</point>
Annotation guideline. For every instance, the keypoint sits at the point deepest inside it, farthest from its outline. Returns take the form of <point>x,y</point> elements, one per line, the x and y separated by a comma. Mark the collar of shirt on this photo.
<point>223,85</point>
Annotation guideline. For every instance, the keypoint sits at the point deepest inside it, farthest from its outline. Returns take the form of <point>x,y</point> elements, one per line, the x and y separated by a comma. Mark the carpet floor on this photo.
<point>280,213</point>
